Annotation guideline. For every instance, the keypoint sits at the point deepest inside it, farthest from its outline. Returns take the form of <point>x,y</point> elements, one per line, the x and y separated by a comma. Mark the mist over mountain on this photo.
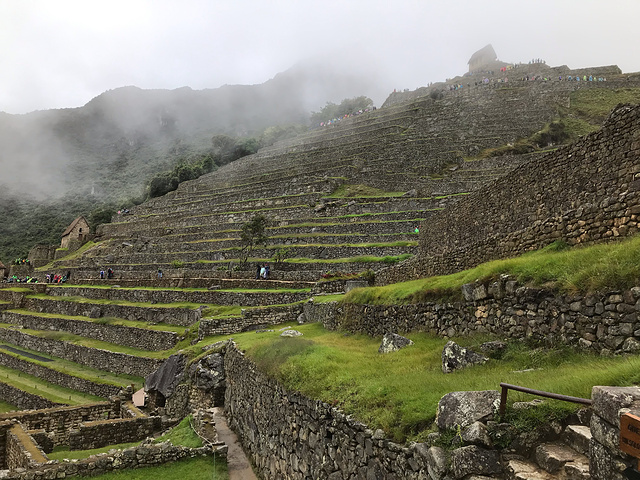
<point>109,147</point>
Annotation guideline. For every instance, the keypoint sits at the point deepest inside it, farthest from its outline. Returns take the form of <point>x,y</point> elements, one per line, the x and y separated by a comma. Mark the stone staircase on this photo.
<point>566,460</point>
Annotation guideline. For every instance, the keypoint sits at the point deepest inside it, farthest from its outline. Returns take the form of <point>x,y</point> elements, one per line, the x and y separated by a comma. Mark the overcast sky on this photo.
<point>62,53</point>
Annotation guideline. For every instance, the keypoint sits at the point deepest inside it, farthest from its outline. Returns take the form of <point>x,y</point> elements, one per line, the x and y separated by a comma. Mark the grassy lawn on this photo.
<point>6,407</point>
<point>399,392</point>
<point>199,468</point>
<point>596,268</point>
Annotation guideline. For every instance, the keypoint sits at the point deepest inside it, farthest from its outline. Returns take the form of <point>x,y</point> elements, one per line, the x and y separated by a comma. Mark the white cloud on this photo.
<point>63,53</point>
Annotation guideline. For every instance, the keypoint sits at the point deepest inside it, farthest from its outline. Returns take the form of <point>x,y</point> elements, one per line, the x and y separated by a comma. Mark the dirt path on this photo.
<point>237,461</point>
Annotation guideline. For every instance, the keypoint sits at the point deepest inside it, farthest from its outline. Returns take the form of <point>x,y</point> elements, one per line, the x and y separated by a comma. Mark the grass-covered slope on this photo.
<point>597,268</point>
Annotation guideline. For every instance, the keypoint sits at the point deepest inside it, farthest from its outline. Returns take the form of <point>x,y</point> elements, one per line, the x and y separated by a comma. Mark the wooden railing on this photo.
<point>556,396</point>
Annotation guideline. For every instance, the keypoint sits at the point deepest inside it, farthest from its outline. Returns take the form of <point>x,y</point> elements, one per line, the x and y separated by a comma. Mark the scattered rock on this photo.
<point>465,408</point>
<point>291,333</point>
<point>477,434</point>
<point>263,330</point>
<point>215,346</point>
<point>214,287</point>
<point>474,291</point>
<point>302,319</point>
<point>284,328</point>
<point>454,357</point>
<point>411,193</point>
<point>474,460</point>
<point>393,342</point>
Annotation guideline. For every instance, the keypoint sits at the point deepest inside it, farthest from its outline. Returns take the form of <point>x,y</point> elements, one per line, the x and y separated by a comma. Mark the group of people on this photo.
<point>58,278</point>
<point>21,261</point>
<point>109,273</point>
<point>16,279</point>
<point>348,115</point>
<point>262,271</point>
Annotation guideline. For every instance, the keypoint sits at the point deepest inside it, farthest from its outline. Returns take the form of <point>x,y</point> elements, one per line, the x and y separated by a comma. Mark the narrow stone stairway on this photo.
<point>237,462</point>
<point>566,460</point>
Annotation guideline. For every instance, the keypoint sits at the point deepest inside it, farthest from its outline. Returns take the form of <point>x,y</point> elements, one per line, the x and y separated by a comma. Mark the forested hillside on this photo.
<point>57,164</point>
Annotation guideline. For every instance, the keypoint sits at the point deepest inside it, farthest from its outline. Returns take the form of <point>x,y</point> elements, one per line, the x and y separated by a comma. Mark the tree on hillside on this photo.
<point>252,234</point>
<point>346,107</point>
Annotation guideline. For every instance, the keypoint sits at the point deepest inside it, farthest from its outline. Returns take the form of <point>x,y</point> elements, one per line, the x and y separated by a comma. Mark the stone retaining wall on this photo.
<point>144,339</point>
<point>21,451</point>
<point>92,357</point>
<point>97,434</point>
<point>169,296</point>
<point>582,193</point>
<point>58,378</point>
<point>60,421</point>
<point>250,320</point>
<point>127,459</point>
<point>24,400</point>
<point>605,323</point>
<point>291,436</point>
<point>171,316</point>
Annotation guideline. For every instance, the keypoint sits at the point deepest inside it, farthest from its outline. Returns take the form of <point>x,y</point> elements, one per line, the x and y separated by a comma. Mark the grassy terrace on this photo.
<point>399,392</point>
<point>597,268</point>
<point>92,343</point>
<point>108,321</point>
<point>29,383</point>
<point>77,299</point>
<point>75,369</point>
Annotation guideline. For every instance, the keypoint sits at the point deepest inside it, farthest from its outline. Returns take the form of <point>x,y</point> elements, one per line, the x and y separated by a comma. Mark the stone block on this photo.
<point>608,401</point>
<point>473,460</point>
<point>465,408</point>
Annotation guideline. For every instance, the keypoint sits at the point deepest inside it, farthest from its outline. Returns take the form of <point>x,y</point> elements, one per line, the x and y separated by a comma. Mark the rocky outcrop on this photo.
<point>455,357</point>
<point>392,342</point>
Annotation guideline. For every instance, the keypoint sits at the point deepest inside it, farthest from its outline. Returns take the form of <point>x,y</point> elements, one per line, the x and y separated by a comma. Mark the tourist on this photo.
<point>267,271</point>
<point>102,274</point>
<point>263,272</point>
<point>258,271</point>
<point>109,272</point>
<point>159,273</point>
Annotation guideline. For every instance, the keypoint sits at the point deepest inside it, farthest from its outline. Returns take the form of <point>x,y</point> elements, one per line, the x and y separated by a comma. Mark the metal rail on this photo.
<point>556,396</point>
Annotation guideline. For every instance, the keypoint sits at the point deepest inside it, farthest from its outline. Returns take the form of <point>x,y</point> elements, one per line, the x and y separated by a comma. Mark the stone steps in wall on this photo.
<point>561,460</point>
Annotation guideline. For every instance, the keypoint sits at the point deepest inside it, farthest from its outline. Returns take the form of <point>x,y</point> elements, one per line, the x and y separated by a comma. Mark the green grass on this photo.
<point>62,452</point>
<point>7,407</point>
<point>108,321</point>
<point>399,392</point>
<point>77,370</point>
<point>55,393</point>
<point>597,268</point>
<point>363,191</point>
<point>182,434</point>
<point>198,468</point>
<point>596,103</point>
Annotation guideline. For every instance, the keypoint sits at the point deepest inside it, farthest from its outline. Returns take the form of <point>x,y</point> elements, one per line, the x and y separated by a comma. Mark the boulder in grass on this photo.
<point>467,407</point>
<point>393,342</point>
<point>291,333</point>
<point>455,357</point>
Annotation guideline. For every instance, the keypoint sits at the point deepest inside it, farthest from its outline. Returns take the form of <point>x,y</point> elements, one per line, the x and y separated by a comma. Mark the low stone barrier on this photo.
<point>61,420</point>
<point>53,376</point>
<point>171,316</point>
<point>144,339</point>
<point>100,433</point>
<point>93,357</point>
<point>250,320</point>
<point>21,451</point>
<point>314,440</point>
<point>605,323</point>
<point>135,457</point>
<point>24,400</point>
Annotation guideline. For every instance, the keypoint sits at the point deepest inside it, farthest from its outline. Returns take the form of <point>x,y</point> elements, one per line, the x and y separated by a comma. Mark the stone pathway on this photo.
<point>237,461</point>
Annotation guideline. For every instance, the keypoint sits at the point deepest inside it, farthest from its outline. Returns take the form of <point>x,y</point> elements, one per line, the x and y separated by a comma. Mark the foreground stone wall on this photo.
<point>607,461</point>
<point>582,193</point>
<point>58,422</point>
<point>21,451</point>
<point>293,437</point>
<point>100,433</point>
<point>604,323</point>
